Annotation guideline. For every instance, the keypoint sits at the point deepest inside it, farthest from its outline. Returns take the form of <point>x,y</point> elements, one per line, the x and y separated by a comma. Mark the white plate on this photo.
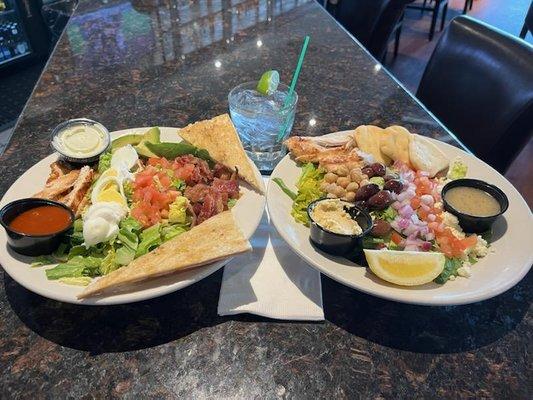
<point>247,211</point>
<point>509,261</point>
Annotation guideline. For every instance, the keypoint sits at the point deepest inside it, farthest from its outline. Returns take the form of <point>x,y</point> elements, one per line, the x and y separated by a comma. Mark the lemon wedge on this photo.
<point>406,268</point>
<point>112,195</point>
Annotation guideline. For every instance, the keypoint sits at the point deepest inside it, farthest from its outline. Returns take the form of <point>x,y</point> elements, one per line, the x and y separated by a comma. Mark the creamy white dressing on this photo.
<point>80,139</point>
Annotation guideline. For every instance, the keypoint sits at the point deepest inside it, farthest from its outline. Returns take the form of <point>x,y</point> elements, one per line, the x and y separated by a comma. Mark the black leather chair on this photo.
<point>479,83</point>
<point>372,22</point>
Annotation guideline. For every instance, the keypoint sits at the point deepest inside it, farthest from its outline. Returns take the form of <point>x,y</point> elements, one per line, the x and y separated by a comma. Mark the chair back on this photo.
<point>479,83</point>
<point>370,21</point>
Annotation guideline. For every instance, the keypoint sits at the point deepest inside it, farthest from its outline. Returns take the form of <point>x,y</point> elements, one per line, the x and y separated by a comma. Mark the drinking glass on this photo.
<point>259,119</point>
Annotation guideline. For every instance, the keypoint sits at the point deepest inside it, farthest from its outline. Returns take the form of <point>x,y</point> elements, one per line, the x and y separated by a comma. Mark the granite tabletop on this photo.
<point>168,63</point>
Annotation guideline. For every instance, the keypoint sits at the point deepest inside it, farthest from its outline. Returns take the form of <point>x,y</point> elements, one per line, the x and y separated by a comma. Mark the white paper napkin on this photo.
<point>271,281</point>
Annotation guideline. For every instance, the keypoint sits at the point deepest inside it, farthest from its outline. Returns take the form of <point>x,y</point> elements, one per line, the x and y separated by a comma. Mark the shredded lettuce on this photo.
<point>76,267</point>
<point>108,263</point>
<point>231,202</point>
<point>451,266</point>
<point>378,180</point>
<point>42,260</point>
<point>172,230</point>
<point>81,281</point>
<point>457,170</point>
<point>387,214</point>
<point>104,162</point>
<point>150,238</point>
<point>308,190</point>
<point>178,184</point>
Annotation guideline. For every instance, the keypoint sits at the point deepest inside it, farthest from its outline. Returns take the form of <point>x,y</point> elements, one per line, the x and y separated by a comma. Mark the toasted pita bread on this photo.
<point>425,156</point>
<point>219,137</point>
<point>395,143</point>
<point>215,239</point>
<point>368,139</point>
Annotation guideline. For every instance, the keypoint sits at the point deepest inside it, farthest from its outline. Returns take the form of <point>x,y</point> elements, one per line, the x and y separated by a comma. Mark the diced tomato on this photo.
<point>396,238</point>
<point>415,202</point>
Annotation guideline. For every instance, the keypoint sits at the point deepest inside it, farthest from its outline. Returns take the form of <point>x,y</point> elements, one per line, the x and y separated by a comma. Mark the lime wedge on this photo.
<point>268,83</point>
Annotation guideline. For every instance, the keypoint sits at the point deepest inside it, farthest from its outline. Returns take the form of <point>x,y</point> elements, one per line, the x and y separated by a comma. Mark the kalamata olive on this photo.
<point>380,200</point>
<point>381,228</point>
<point>367,191</point>
<point>393,185</point>
<point>368,171</point>
<point>379,169</point>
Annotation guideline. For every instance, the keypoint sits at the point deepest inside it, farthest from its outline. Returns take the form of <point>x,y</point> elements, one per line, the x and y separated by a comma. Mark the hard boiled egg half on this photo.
<point>109,205</point>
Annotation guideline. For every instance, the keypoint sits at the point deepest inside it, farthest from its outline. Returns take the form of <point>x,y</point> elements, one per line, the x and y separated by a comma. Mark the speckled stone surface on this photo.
<point>154,62</point>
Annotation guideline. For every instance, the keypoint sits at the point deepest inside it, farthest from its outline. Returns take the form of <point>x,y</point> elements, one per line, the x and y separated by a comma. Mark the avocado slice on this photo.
<point>133,139</point>
<point>152,135</point>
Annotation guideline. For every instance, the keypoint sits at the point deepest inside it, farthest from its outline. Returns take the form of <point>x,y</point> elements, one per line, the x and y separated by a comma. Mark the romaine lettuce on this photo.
<point>308,190</point>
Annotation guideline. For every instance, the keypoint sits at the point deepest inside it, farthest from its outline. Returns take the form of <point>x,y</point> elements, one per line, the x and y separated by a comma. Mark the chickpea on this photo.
<point>356,175</point>
<point>342,170</point>
<point>339,191</point>
<point>343,181</point>
<point>330,177</point>
<point>352,187</point>
<point>324,186</point>
<point>331,196</point>
<point>350,196</point>
<point>331,187</point>
<point>364,182</point>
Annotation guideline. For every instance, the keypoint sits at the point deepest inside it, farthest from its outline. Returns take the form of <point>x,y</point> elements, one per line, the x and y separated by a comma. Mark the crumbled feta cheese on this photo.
<point>452,222</point>
<point>452,277</point>
<point>481,249</point>
<point>465,272</point>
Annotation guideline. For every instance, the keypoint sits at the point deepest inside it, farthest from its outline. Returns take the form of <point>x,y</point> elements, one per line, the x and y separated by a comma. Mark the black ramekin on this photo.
<point>32,245</point>
<point>470,223</point>
<point>336,243</point>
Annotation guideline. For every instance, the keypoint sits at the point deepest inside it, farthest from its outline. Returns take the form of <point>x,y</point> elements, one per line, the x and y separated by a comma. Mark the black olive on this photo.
<point>393,185</point>
<point>379,169</point>
<point>366,191</point>
<point>380,200</point>
<point>381,228</point>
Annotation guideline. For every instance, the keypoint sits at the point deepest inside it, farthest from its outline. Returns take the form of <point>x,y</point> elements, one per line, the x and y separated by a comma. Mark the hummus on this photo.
<point>330,215</point>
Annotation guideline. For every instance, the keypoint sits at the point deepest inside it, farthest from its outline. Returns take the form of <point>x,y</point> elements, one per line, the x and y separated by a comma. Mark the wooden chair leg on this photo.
<point>465,8</point>
<point>443,18</point>
<point>471,4</point>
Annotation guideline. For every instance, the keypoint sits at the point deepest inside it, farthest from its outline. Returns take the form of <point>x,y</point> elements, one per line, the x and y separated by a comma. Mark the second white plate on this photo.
<point>509,260</point>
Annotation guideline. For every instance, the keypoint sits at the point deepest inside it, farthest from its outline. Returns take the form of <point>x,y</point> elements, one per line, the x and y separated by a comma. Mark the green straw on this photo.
<point>288,99</point>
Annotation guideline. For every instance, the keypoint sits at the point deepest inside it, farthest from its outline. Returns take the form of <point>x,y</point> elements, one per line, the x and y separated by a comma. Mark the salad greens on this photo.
<point>308,190</point>
<point>105,162</point>
<point>451,265</point>
<point>457,170</point>
<point>78,261</point>
<point>285,189</point>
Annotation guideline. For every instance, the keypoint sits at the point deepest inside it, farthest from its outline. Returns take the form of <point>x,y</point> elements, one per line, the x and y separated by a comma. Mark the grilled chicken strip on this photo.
<point>55,188</point>
<point>81,186</point>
